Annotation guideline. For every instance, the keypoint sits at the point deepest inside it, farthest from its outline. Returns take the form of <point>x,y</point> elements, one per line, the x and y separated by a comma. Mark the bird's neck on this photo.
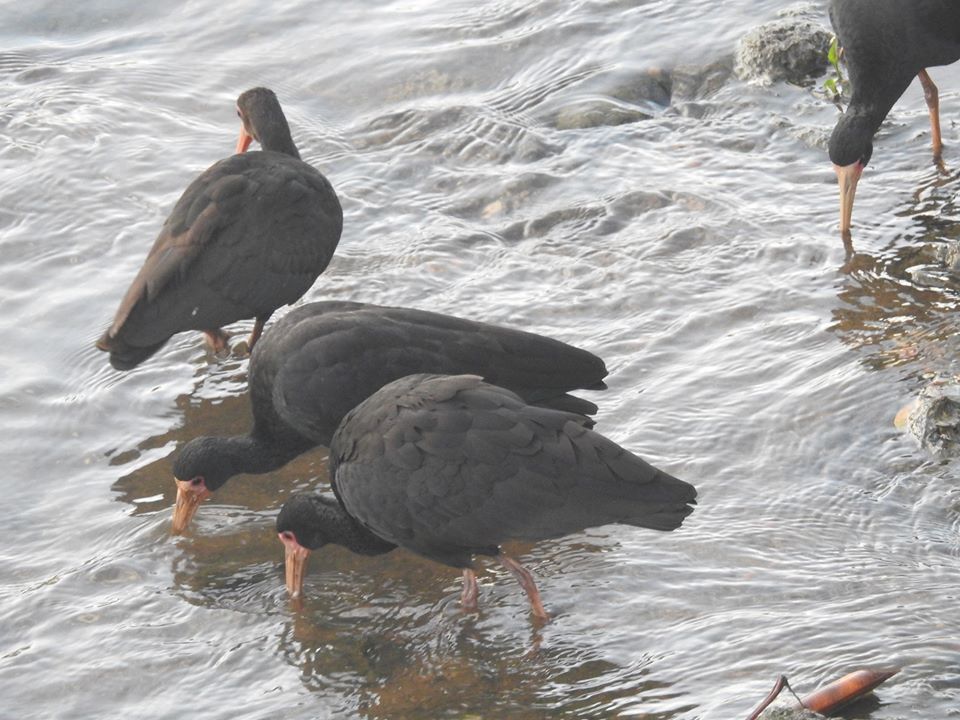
<point>343,529</point>
<point>871,102</point>
<point>874,117</point>
<point>275,137</point>
<point>253,455</point>
<point>869,117</point>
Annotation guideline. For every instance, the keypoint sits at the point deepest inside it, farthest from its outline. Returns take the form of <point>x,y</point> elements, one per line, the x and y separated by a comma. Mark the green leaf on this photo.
<point>832,53</point>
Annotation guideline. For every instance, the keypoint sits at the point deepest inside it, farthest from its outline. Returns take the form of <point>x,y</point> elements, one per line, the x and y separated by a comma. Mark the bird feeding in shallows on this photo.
<point>886,44</point>
<point>323,359</point>
<point>450,467</point>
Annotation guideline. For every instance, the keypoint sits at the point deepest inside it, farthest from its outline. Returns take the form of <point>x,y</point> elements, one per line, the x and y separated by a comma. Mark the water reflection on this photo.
<point>203,413</point>
<point>898,305</point>
<point>934,205</point>
<point>240,569</point>
<point>497,662</point>
<point>865,707</point>
<point>219,405</point>
<point>386,638</point>
<point>424,657</point>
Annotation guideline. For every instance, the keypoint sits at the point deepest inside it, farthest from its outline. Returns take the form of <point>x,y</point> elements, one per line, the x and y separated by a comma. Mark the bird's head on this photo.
<point>851,146</point>
<point>198,472</point>
<point>852,139</point>
<point>302,527</point>
<point>262,119</point>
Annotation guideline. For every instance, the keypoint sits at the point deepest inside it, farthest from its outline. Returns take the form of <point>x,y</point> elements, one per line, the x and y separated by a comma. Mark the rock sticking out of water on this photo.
<point>790,713</point>
<point>790,49</point>
<point>935,418</point>
<point>934,264</point>
<point>949,255</point>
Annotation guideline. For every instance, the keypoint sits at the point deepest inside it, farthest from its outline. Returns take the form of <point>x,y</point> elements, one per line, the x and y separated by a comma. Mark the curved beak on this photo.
<point>295,564</point>
<point>847,177</point>
<point>189,497</point>
<point>243,142</point>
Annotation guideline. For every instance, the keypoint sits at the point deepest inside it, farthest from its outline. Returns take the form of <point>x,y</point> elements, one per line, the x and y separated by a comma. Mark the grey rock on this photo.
<point>949,255</point>
<point>628,95</point>
<point>790,49</point>
<point>648,88</point>
<point>609,98</point>
<point>694,82</point>
<point>935,418</point>
<point>933,264</point>
<point>790,713</point>
<point>596,113</point>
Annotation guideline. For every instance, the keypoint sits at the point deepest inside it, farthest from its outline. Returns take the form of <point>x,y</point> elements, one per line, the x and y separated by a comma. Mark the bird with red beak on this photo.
<point>851,146</point>
<point>886,44</point>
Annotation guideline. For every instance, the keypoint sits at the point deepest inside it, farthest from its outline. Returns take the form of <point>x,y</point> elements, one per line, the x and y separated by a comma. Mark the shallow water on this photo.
<point>690,240</point>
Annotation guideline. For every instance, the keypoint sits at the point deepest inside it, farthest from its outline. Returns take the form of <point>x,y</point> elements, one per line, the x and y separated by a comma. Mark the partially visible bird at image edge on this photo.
<point>886,43</point>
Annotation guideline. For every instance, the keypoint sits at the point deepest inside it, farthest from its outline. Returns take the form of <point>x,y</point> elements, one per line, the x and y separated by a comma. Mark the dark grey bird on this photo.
<point>450,467</point>
<point>323,359</point>
<point>886,43</point>
<point>250,235</point>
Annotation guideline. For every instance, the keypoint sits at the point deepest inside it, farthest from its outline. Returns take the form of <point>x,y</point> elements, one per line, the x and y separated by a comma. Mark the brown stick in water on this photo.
<point>833,696</point>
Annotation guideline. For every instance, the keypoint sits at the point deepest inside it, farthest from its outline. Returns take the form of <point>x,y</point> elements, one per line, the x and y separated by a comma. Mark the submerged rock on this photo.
<point>695,82</point>
<point>935,418</point>
<point>609,98</point>
<point>629,95</point>
<point>649,88</point>
<point>791,49</point>
<point>597,112</point>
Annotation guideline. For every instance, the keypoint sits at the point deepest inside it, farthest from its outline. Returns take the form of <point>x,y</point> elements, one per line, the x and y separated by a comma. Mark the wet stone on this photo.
<point>790,49</point>
<point>610,98</point>
<point>934,264</point>
<point>935,418</point>
<point>949,255</point>
<point>650,86</point>
<point>694,82</point>
<point>630,95</point>
<point>789,713</point>
<point>596,113</point>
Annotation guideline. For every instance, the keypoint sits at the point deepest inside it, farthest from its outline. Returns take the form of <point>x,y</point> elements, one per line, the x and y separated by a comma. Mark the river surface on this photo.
<point>519,163</point>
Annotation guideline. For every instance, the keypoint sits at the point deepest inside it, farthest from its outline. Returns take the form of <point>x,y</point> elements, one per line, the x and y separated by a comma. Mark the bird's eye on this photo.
<point>197,481</point>
<point>239,115</point>
<point>287,535</point>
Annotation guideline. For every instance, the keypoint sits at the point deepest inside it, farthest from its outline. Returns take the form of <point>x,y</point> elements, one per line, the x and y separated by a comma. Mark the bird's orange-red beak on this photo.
<point>243,142</point>
<point>295,563</point>
<point>847,177</point>
<point>189,497</point>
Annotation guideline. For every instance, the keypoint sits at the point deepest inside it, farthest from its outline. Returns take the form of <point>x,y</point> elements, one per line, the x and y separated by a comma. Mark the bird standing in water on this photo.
<point>450,467</point>
<point>886,43</point>
<point>249,235</point>
<point>322,359</point>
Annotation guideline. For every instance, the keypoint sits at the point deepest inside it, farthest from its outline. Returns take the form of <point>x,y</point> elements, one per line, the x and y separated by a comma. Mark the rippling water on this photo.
<point>525,163</point>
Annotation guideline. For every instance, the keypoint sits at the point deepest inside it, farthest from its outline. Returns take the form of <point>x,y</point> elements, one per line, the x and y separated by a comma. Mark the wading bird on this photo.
<point>886,43</point>
<point>450,467</point>
<point>322,359</point>
<point>250,235</point>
